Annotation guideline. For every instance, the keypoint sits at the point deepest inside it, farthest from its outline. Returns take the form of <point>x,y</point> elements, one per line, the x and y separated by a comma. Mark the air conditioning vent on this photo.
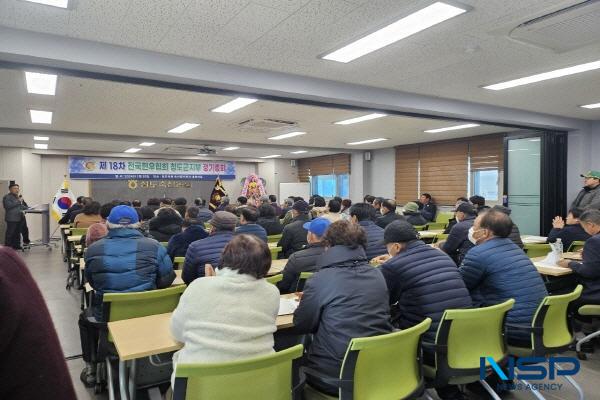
<point>265,125</point>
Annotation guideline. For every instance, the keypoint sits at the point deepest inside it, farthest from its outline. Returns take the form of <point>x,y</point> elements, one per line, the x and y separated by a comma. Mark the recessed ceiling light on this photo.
<point>41,146</point>
<point>41,138</point>
<point>183,127</point>
<point>271,156</point>
<point>147,144</point>
<point>287,135</point>
<point>230,148</point>
<point>596,105</point>
<point>55,3</point>
<point>40,83</point>
<point>403,28</point>
<point>360,119</point>
<point>233,105</point>
<point>367,141</point>
<point>41,117</point>
<point>299,152</point>
<point>451,128</point>
<point>133,150</point>
<point>557,73</point>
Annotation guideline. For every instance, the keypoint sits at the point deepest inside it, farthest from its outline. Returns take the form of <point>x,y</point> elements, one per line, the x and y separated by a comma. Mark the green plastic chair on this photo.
<point>178,261</point>
<point>304,276</point>
<point>379,367</point>
<point>274,278</point>
<point>434,226</point>
<point>537,249</point>
<point>272,377</point>
<point>78,231</point>
<point>577,245</point>
<point>439,237</point>
<point>165,244</point>
<point>463,337</point>
<point>274,252</point>
<point>444,216</point>
<point>419,228</point>
<point>550,330</point>
<point>273,238</point>
<point>591,310</point>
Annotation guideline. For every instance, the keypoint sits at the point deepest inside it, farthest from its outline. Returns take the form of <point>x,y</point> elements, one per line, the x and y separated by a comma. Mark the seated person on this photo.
<point>377,206</point>
<point>193,229</point>
<point>77,206</point>
<point>165,224</point>
<point>180,205</point>
<point>452,221</point>
<point>146,216</point>
<point>274,204</point>
<point>98,230</point>
<point>268,220</point>
<point>304,260</point>
<point>412,214</point>
<point>204,214</point>
<point>458,244</point>
<point>319,207</point>
<point>515,234</point>
<point>333,213</point>
<point>427,207</point>
<point>164,203</point>
<point>208,250</point>
<point>242,201</point>
<point>496,270</point>
<point>568,231</point>
<point>479,203</point>
<point>362,214</point>
<point>248,225</point>
<point>293,237</point>
<point>123,261</point>
<point>388,213</point>
<point>84,203</point>
<point>232,315</point>
<point>90,215</point>
<point>347,298</point>
<point>287,207</point>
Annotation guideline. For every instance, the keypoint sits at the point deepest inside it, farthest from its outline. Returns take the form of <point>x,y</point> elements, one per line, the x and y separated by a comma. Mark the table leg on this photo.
<point>123,380</point>
<point>132,383</point>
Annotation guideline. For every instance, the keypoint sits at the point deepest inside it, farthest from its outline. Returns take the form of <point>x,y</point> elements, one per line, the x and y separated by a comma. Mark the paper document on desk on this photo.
<point>287,306</point>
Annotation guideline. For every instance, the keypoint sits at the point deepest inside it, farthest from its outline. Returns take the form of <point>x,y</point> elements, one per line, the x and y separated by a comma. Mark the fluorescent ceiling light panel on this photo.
<point>272,156</point>
<point>360,119</point>
<point>41,146</point>
<point>54,3</point>
<point>40,83</point>
<point>557,73</point>
<point>590,106</point>
<point>147,144</point>
<point>41,117</point>
<point>287,135</point>
<point>231,148</point>
<point>299,152</point>
<point>183,127</point>
<point>233,105</point>
<point>452,128</point>
<point>367,141</point>
<point>132,150</point>
<point>403,28</point>
<point>41,138</point>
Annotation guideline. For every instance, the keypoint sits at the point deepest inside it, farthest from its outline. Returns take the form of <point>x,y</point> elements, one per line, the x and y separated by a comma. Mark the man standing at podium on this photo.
<point>14,217</point>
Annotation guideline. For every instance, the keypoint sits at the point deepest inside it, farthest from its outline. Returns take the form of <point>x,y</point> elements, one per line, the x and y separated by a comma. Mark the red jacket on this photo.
<point>32,364</point>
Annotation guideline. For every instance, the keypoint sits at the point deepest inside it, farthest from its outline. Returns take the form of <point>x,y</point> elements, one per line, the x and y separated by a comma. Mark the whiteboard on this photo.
<point>294,189</point>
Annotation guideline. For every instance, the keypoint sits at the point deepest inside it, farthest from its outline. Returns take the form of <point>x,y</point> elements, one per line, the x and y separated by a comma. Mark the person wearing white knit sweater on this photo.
<point>232,315</point>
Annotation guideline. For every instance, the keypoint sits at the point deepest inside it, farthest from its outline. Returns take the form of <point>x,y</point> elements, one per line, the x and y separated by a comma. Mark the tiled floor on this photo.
<point>50,273</point>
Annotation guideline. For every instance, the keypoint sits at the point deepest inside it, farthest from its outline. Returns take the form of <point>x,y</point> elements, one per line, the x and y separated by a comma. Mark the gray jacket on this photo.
<point>13,207</point>
<point>588,198</point>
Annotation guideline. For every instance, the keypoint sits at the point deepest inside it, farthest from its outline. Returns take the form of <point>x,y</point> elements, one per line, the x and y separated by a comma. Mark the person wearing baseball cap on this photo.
<point>589,196</point>
<point>422,282</point>
<point>293,237</point>
<point>208,250</point>
<point>457,244</point>
<point>123,261</point>
<point>304,260</point>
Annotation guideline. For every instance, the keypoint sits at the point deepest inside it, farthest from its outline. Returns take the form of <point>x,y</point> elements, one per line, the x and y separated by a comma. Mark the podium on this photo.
<point>44,211</point>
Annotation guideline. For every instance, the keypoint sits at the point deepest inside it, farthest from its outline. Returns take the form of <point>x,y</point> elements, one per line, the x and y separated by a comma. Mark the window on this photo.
<point>330,185</point>
<point>486,184</point>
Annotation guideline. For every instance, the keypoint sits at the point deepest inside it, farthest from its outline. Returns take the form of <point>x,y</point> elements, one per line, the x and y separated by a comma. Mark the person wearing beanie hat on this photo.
<point>422,282</point>
<point>304,260</point>
<point>208,250</point>
<point>293,237</point>
<point>123,261</point>
<point>413,215</point>
<point>457,244</point>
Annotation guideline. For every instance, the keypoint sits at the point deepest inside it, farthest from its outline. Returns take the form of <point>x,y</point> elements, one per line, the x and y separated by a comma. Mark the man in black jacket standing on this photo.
<point>14,217</point>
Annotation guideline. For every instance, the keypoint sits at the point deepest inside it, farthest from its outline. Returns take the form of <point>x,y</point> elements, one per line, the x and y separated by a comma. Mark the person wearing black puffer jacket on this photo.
<point>362,214</point>
<point>166,224</point>
<point>269,220</point>
<point>458,244</point>
<point>193,229</point>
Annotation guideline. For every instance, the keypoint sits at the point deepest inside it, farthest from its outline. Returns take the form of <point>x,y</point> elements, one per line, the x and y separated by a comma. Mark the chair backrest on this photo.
<point>432,226</point>
<point>178,261</point>
<point>385,366</point>
<point>440,236</point>
<point>444,216</point>
<point>141,304</point>
<point>301,280</point>
<point>471,334</point>
<point>420,227</point>
<point>275,252</point>
<point>78,231</point>
<point>165,244</point>
<point>551,317</point>
<point>274,278</point>
<point>265,377</point>
<point>576,245</point>
<point>273,238</point>
<point>537,249</point>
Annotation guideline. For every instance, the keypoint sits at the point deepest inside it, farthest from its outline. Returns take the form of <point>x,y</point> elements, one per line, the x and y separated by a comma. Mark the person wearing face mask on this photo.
<point>452,221</point>
<point>458,244</point>
<point>496,270</point>
<point>568,230</point>
<point>589,196</point>
<point>423,282</point>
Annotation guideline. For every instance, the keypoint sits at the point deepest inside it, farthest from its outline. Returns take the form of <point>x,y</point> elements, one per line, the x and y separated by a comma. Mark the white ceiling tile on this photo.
<point>37,17</point>
<point>253,22</point>
<point>288,6</point>
<point>98,20</point>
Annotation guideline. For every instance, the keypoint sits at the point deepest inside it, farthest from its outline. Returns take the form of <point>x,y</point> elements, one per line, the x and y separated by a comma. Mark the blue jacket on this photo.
<point>204,251</point>
<point>126,261</point>
<point>252,229</point>
<point>498,270</point>
<point>458,244</point>
<point>428,211</point>
<point>179,243</point>
<point>423,282</point>
<point>204,214</point>
<point>375,246</point>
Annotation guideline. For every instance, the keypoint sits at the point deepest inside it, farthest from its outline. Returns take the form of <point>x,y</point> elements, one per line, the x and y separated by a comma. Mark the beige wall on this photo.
<point>275,172</point>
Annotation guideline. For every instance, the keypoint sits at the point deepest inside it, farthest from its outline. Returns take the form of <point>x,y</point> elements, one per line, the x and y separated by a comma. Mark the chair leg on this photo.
<point>536,393</point>
<point>109,378</point>
<point>585,339</point>
<point>427,395</point>
<point>489,389</point>
<point>572,382</point>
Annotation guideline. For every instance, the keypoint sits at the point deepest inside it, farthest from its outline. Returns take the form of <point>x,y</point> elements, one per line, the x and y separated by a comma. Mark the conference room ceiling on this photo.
<point>452,60</point>
<point>123,114</point>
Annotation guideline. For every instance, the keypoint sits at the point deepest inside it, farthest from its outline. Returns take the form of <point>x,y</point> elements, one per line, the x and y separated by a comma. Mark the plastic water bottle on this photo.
<point>559,247</point>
